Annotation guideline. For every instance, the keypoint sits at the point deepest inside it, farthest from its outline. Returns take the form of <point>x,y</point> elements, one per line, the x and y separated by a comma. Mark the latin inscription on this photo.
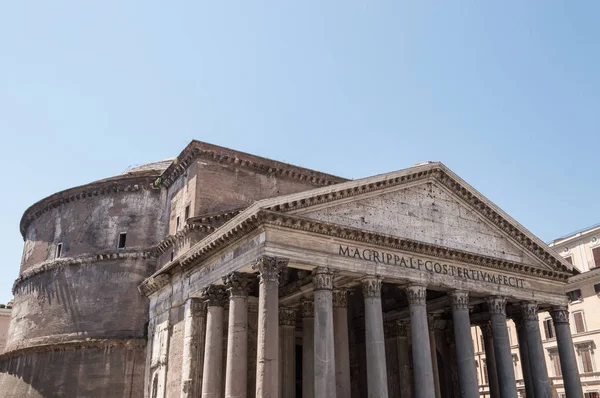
<point>430,266</point>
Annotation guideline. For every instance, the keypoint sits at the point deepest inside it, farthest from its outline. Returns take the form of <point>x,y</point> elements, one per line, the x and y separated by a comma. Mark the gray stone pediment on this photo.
<point>426,212</point>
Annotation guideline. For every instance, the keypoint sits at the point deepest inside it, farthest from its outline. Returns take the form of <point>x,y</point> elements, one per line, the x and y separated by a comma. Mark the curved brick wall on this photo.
<point>78,322</point>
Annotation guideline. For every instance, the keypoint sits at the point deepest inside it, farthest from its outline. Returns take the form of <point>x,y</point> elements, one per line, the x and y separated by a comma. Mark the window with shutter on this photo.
<point>596,255</point>
<point>579,323</point>
<point>574,295</point>
<point>556,363</point>
<point>485,374</point>
<point>586,361</point>
<point>548,328</point>
<point>481,342</point>
<point>597,288</point>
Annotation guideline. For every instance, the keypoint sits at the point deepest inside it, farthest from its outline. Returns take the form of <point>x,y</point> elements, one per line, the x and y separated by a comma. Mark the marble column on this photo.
<point>467,373</point>
<point>536,356</point>
<point>212,380</point>
<point>524,354</point>
<point>490,360</point>
<point>342,345</point>
<point>568,363</point>
<point>404,359</point>
<point>377,386</point>
<point>236,373</point>
<point>422,367</point>
<point>287,352</point>
<point>431,318</point>
<point>324,343</point>
<point>505,369</point>
<point>267,350</point>
<point>193,347</point>
<point>308,348</point>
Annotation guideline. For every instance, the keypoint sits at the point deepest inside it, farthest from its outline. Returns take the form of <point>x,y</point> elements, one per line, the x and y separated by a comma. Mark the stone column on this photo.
<point>324,343</point>
<point>505,369</point>
<point>537,359</point>
<point>193,347</point>
<point>377,386</point>
<point>212,380</point>
<point>524,354</point>
<point>490,360</point>
<point>236,373</point>
<point>342,345</point>
<point>308,349</point>
<point>467,374</point>
<point>568,363</point>
<point>434,362</point>
<point>404,359</point>
<point>267,350</point>
<point>422,367</point>
<point>287,353</point>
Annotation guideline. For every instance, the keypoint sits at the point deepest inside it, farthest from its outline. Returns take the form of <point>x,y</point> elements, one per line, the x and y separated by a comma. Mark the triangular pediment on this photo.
<point>427,213</point>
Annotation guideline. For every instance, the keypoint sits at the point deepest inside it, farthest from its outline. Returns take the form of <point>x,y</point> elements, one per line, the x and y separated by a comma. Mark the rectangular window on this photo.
<point>509,336</point>
<point>177,224</point>
<point>596,255</point>
<point>593,394</point>
<point>556,363</point>
<point>58,251</point>
<point>122,240</point>
<point>586,361</point>
<point>579,322</point>
<point>172,255</point>
<point>548,328</point>
<point>482,342</point>
<point>569,259</point>
<point>485,374</point>
<point>574,295</point>
<point>187,212</point>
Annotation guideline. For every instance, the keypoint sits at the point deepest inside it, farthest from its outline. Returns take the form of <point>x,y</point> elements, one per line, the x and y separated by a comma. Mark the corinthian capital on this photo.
<point>270,268</point>
<point>496,305</point>
<point>560,315</point>
<point>371,286</point>
<point>459,300</point>
<point>307,308</point>
<point>529,312</point>
<point>215,296</point>
<point>238,284</point>
<point>416,294</point>
<point>287,316</point>
<point>340,298</point>
<point>323,279</point>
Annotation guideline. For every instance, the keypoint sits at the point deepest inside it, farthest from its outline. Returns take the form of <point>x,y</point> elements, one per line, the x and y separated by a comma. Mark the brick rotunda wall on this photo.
<point>78,326</point>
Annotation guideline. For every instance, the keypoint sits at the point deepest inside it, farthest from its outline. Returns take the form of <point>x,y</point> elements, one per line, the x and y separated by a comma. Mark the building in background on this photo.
<point>582,249</point>
<point>5,311</point>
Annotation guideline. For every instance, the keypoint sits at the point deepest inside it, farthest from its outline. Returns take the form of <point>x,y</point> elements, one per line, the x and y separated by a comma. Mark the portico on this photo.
<point>401,265</point>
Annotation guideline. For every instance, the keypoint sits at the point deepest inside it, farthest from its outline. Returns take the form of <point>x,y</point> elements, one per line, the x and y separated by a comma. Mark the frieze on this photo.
<point>459,300</point>
<point>287,316</point>
<point>238,284</point>
<point>371,286</point>
<point>496,305</point>
<point>560,315</point>
<point>323,279</point>
<point>270,268</point>
<point>416,294</point>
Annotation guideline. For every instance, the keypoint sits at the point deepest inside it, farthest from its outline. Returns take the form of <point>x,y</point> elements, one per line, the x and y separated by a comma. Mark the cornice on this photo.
<point>196,150</point>
<point>216,219</point>
<point>74,345</point>
<point>593,273</point>
<point>440,175</point>
<point>57,264</point>
<point>123,183</point>
<point>221,238</point>
<point>170,240</point>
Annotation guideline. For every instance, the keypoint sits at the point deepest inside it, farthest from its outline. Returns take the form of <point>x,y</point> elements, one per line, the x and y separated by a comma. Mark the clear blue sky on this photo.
<point>507,94</point>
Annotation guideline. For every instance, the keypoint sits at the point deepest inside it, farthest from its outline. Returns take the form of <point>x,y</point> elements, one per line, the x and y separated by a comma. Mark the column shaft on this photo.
<point>212,380</point>
<point>467,373</point>
<point>537,359</point>
<point>490,361</point>
<point>287,361</point>
<point>236,373</point>
<point>422,367</point>
<point>377,386</point>
<point>308,349</point>
<point>568,363</point>
<point>404,360</point>
<point>193,347</point>
<point>524,354</point>
<point>267,351</point>
<point>324,343</point>
<point>434,361</point>
<point>342,346</point>
<point>506,372</point>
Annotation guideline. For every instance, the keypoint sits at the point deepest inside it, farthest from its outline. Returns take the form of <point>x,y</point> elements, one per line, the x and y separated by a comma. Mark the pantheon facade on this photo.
<point>240,276</point>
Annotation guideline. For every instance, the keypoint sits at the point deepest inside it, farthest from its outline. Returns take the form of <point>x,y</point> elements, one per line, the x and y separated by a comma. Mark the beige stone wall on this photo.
<point>4,323</point>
